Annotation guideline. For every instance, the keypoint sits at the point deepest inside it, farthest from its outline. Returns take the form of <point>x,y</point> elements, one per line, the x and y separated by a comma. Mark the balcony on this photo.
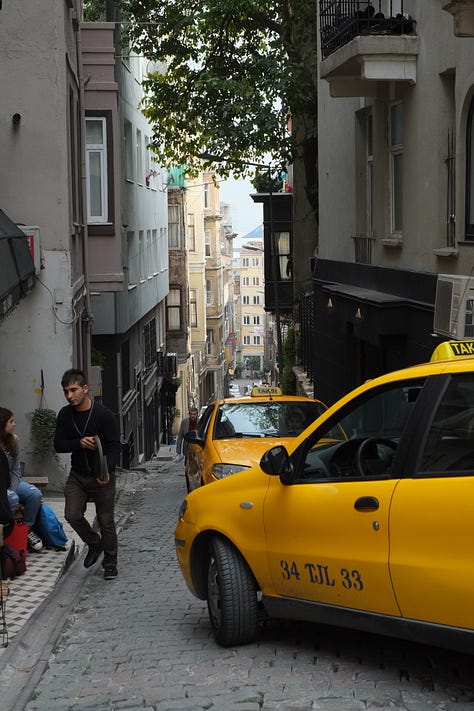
<point>463,14</point>
<point>364,43</point>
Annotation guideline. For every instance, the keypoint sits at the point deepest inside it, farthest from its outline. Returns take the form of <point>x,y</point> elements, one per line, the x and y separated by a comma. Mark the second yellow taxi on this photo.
<point>232,434</point>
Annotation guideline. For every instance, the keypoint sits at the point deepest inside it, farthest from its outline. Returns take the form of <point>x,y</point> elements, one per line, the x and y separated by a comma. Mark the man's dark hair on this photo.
<point>74,375</point>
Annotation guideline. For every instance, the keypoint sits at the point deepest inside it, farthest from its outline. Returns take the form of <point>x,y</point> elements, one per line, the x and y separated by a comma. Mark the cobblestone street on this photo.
<point>143,642</point>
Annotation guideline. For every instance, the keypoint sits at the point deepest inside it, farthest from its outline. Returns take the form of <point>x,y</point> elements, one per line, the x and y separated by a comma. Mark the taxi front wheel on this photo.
<point>231,595</point>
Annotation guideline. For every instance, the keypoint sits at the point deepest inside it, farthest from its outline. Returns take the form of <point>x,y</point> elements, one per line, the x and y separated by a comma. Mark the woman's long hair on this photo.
<point>7,441</point>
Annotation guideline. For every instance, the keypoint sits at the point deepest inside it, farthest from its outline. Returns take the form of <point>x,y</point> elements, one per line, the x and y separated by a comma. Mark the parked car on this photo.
<point>232,434</point>
<point>234,390</point>
<point>370,529</point>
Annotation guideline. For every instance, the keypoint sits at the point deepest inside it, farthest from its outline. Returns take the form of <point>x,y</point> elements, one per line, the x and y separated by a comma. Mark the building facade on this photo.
<point>396,161</point>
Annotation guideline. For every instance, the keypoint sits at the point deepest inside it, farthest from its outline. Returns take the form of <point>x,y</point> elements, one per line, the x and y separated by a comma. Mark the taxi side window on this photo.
<point>203,422</point>
<point>362,442</point>
<point>449,445</point>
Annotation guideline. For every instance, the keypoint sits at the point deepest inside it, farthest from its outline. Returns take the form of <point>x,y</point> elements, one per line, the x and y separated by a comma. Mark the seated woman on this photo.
<point>19,492</point>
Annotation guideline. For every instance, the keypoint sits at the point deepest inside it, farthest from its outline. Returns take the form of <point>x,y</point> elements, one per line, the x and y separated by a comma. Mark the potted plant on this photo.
<point>43,426</point>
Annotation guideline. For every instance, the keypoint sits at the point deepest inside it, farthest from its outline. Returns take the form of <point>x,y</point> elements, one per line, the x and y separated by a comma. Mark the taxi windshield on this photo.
<point>265,419</point>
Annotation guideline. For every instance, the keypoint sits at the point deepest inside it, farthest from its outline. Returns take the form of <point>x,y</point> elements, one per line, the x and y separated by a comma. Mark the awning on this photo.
<point>17,269</point>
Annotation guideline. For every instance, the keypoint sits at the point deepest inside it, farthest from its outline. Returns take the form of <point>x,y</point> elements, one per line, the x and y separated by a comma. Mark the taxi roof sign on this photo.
<point>265,391</point>
<point>453,349</point>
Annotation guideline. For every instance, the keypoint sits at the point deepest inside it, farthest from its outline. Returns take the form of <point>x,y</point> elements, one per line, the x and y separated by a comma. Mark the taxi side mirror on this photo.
<point>276,462</point>
<point>193,437</point>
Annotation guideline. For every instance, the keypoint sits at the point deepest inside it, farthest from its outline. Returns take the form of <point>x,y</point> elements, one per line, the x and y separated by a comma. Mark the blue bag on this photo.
<point>50,529</point>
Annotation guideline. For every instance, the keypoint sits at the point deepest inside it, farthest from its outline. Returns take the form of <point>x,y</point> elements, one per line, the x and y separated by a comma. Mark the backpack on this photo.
<point>50,529</point>
<point>13,561</point>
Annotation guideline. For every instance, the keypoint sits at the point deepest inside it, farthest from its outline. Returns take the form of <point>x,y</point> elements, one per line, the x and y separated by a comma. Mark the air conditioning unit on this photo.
<point>454,306</point>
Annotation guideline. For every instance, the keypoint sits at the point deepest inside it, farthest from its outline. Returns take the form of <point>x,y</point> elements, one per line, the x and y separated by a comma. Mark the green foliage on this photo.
<point>93,10</point>
<point>228,75</point>
<point>43,426</point>
<point>288,379</point>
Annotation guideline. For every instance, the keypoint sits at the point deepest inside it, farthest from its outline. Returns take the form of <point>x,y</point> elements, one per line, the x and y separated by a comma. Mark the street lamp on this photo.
<point>211,158</point>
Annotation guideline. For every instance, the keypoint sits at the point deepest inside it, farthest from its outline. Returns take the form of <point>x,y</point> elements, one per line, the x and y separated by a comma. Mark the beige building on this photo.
<point>252,315</point>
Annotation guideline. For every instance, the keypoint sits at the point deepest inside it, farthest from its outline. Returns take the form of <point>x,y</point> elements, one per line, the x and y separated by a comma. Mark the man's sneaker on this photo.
<point>34,541</point>
<point>92,555</point>
<point>110,572</point>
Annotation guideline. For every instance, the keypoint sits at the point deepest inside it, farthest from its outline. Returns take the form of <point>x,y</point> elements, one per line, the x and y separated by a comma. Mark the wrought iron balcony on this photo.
<point>364,43</point>
<point>342,20</point>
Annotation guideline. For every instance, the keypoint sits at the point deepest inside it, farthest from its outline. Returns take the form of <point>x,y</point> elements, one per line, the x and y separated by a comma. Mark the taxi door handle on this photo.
<point>366,503</point>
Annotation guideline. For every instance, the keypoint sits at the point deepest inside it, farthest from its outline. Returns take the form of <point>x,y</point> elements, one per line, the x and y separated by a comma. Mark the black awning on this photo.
<point>17,269</point>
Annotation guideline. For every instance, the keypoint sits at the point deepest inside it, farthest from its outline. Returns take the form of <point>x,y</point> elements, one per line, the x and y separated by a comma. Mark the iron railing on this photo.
<point>363,248</point>
<point>306,316</point>
<point>342,20</point>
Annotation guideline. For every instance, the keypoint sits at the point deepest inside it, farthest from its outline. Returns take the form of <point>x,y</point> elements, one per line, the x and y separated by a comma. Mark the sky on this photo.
<point>245,214</point>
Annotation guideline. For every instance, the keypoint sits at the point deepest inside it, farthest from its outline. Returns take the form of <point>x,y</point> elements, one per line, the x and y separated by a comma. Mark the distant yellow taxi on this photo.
<point>232,434</point>
<point>372,529</point>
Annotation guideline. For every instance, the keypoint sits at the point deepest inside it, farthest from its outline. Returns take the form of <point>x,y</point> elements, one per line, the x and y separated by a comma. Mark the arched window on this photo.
<point>470,173</point>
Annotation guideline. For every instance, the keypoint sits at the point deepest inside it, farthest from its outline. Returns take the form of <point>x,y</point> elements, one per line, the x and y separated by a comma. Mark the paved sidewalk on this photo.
<point>45,568</point>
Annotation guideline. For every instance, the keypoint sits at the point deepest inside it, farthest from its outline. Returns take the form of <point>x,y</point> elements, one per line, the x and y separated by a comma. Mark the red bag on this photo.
<point>13,561</point>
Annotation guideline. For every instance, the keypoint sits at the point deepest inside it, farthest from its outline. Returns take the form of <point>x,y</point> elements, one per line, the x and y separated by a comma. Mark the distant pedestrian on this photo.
<point>20,492</point>
<point>187,424</point>
<point>76,427</point>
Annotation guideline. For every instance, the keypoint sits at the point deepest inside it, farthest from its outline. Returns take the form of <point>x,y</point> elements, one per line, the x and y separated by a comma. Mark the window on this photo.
<point>173,309</point>
<point>174,227</point>
<point>396,166</point>
<point>96,170</point>
<point>191,232</point>
<point>282,242</point>
<point>193,318</point>
<point>370,173</point>
<point>245,281</point>
<point>255,261</point>
<point>256,320</point>
<point>245,300</point>
<point>139,152</point>
<point>149,254</point>
<point>141,255</point>
<point>256,300</point>
<point>245,261</point>
<point>470,173</point>
<point>246,340</point>
<point>209,341</point>
<point>246,321</point>
<point>128,150</point>
<point>255,281</point>
<point>207,243</point>
<point>125,365</point>
<point>450,442</point>
<point>206,193</point>
<point>365,435</point>
<point>150,342</point>
<point>209,293</point>
<point>256,340</point>
<point>132,259</point>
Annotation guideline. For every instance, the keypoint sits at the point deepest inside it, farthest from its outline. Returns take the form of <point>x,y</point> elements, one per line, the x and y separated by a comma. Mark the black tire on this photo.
<point>231,595</point>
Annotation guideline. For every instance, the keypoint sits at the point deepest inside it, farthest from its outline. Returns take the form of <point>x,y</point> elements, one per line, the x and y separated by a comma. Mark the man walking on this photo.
<point>78,425</point>
<point>187,424</point>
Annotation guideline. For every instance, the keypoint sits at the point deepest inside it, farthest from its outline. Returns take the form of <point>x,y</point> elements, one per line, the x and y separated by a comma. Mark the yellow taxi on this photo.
<point>372,530</point>
<point>233,434</point>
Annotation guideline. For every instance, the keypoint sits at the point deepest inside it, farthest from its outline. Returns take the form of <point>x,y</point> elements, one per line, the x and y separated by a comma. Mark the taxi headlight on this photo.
<point>220,471</point>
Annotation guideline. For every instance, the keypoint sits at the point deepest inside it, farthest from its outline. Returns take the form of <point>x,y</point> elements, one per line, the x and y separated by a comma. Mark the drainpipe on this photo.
<point>87,316</point>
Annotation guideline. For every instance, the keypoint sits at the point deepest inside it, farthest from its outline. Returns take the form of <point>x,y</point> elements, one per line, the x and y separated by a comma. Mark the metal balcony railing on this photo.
<point>342,20</point>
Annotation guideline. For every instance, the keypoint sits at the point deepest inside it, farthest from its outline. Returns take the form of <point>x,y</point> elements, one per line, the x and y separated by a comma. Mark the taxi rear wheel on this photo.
<point>231,595</point>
